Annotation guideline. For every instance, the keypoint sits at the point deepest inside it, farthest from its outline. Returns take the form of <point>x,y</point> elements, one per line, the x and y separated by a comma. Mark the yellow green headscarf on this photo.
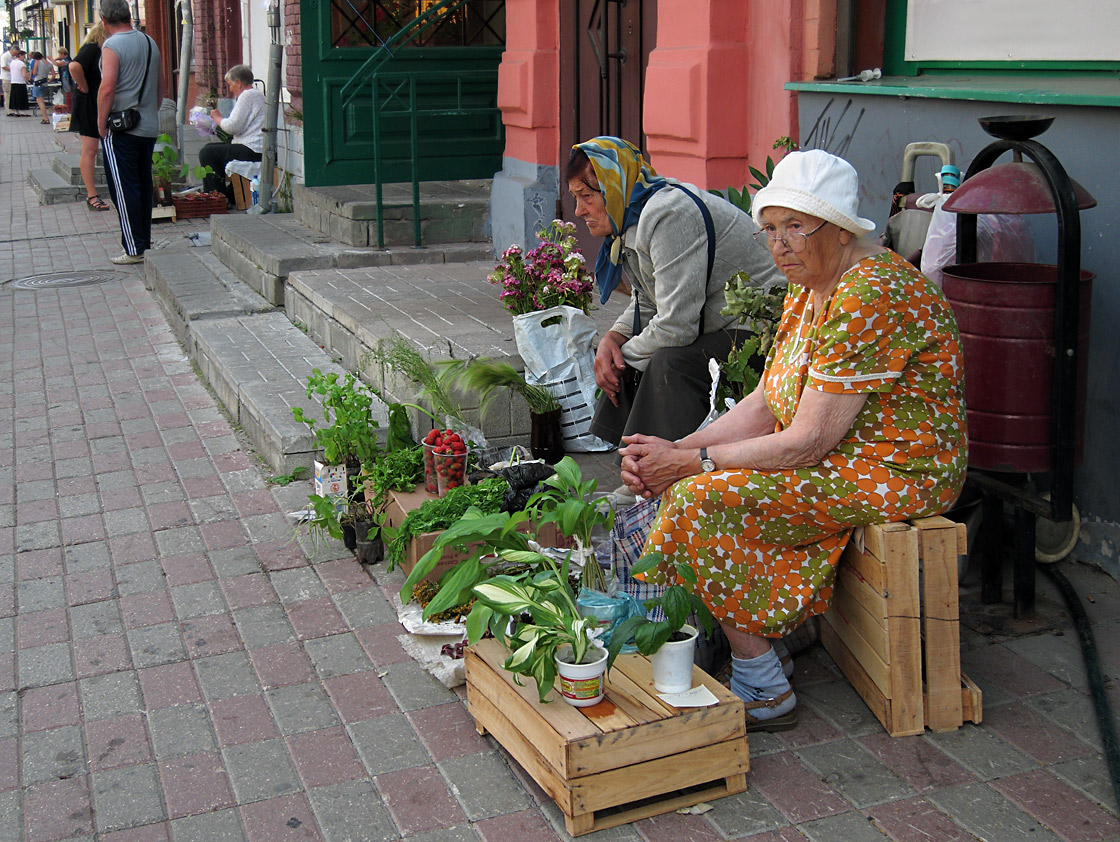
<point>626,182</point>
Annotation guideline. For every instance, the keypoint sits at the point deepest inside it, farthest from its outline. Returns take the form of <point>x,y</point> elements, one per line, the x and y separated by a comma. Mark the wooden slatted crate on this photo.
<point>894,626</point>
<point>627,758</point>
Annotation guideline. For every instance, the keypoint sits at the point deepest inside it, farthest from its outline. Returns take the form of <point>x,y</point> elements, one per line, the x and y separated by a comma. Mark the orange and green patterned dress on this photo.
<point>765,544</point>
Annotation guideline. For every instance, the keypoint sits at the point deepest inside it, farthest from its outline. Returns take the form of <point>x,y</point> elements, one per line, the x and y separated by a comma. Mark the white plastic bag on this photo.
<point>557,347</point>
<point>1000,238</point>
<point>58,98</point>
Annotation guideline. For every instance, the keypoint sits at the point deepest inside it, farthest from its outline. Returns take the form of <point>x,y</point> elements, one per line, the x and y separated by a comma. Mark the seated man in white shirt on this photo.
<point>245,123</point>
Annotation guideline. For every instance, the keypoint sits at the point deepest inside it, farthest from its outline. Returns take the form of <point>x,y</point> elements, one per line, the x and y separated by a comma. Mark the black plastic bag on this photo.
<point>523,479</point>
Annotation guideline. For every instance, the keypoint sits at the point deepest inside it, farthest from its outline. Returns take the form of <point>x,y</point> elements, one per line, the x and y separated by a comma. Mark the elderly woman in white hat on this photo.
<point>859,419</point>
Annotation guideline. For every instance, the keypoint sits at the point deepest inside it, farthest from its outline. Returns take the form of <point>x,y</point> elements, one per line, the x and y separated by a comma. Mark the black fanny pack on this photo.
<point>123,121</point>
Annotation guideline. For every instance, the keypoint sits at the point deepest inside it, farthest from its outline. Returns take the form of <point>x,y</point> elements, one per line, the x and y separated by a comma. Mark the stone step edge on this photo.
<point>261,405</point>
<point>507,420</point>
<point>219,299</point>
<point>51,188</point>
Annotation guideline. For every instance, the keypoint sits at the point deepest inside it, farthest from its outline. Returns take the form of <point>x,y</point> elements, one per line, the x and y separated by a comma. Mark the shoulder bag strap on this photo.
<point>147,65</point>
<point>710,229</point>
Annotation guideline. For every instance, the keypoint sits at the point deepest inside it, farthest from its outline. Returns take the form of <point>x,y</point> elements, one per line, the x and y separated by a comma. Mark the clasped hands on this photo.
<point>651,464</point>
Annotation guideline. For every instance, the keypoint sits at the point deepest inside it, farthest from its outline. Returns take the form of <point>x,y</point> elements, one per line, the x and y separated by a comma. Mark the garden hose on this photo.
<point>1101,706</point>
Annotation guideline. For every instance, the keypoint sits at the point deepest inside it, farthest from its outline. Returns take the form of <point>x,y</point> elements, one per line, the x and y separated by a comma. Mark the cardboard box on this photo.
<point>330,481</point>
<point>402,502</point>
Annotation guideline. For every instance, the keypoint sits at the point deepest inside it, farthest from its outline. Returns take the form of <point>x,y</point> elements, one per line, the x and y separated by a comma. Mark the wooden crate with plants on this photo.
<point>611,741</point>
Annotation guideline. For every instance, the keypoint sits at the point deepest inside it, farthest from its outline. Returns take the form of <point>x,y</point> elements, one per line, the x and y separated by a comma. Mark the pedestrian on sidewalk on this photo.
<point>17,101</point>
<point>130,87</point>
<point>6,74</point>
<point>39,71</point>
<point>85,69</point>
<point>66,82</point>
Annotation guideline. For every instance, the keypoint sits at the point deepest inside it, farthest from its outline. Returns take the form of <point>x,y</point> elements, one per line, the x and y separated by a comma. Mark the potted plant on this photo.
<point>485,377</point>
<point>166,169</point>
<point>650,637</point>
<point>535,614</point>
<point>348,436</point>
<point>565,499</point>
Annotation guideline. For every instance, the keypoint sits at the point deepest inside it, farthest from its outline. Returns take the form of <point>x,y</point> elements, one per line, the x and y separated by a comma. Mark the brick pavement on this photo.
<point>173,666</point>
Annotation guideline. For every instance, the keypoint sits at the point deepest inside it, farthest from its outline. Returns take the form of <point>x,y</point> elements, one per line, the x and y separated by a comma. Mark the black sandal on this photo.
<point>785,722</point>
<point>95,203</point>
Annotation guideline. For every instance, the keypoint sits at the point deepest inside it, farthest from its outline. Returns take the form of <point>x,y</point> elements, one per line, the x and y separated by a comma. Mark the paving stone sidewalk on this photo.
<point>175,667</point>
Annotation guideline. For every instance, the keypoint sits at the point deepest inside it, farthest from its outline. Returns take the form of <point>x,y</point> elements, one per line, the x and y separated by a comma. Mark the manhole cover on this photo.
<point>51,280</point>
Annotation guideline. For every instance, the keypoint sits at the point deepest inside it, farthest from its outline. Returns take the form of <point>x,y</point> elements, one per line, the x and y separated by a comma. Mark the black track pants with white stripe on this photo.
<point>128,169</point>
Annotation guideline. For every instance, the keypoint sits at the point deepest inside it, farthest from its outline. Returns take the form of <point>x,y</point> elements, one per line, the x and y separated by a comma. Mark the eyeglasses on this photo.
<point>794,240</point>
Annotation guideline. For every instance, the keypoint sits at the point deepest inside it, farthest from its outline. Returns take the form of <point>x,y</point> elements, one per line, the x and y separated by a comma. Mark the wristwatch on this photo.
<point>707,465</point>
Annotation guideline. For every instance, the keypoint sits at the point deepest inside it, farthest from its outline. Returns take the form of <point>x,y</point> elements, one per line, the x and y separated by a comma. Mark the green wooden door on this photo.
<point>338,36</point>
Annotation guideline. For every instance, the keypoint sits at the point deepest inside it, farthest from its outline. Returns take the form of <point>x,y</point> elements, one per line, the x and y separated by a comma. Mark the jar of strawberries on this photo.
<point>445,461</point>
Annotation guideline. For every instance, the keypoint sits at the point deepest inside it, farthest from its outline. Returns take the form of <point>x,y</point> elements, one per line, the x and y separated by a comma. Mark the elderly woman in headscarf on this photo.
<point>679,245</point>
<point>859,419</point>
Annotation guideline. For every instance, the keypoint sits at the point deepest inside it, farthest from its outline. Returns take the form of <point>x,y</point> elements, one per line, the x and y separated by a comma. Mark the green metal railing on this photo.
<point>394,95</point>
<point>404,36</point>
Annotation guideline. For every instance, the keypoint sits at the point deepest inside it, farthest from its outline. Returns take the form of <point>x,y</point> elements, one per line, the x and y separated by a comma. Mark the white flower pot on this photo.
<point>581,684</point>
<point>672,663</point>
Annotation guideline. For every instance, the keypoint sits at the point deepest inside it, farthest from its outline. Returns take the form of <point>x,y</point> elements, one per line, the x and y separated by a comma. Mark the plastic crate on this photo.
<point>199,205</point>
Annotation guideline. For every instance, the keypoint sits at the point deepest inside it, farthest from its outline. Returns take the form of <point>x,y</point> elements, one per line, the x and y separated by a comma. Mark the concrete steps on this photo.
<point>445,311</point>
<point>53,189</point>
<point>194,284</point>
<point>451,212</point>
<point>62,182</point>
<point>264,250</point>
<point>252,356</point>
<point>68,166</point>
<point>258,366</point>
<point>340,301</point>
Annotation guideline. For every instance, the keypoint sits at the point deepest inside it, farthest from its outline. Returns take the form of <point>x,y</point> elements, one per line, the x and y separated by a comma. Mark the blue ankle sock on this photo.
<point>761,679</point>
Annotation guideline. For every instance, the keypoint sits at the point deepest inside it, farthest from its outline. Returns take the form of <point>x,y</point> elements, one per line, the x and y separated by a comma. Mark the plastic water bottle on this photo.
<point>255,189</point>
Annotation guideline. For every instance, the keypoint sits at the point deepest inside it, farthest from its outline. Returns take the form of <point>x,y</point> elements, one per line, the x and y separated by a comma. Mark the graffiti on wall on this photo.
<point>834,128</point>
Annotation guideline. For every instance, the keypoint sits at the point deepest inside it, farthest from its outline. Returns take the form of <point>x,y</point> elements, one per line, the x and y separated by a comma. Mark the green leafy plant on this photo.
<point>396,470</point>
<point>544,594</point>
<point>485,377</point>
<point>759,311</point>
<point>287,479</point>
<point>480,532</point>
<point>443,513</point>
<point>325,517</point>
<point>565,499</point>
<point>166,167</point>
<point>347,433</point>
<point>676,601</point>
<point>398,355</point>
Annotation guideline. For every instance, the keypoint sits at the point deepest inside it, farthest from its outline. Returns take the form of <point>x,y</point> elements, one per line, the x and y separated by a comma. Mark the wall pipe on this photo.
<point>271,112</point>
<point>186,44</point>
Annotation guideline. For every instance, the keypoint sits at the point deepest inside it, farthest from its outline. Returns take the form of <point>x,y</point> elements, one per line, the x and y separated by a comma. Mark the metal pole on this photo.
<point>272,108</point>
<point>186,45</point>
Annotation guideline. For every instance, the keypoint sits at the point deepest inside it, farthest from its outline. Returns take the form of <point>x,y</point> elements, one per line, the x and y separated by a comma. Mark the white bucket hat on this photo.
<point>816,183</point>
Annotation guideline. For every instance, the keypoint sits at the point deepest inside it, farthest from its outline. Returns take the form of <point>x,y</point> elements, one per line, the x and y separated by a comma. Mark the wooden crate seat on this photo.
<point>894,625</point>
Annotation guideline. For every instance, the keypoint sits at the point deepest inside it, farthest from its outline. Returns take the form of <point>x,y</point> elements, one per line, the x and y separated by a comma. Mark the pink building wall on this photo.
<point>714,84</point>
<point>715,100</point>
<point>529,81</point>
